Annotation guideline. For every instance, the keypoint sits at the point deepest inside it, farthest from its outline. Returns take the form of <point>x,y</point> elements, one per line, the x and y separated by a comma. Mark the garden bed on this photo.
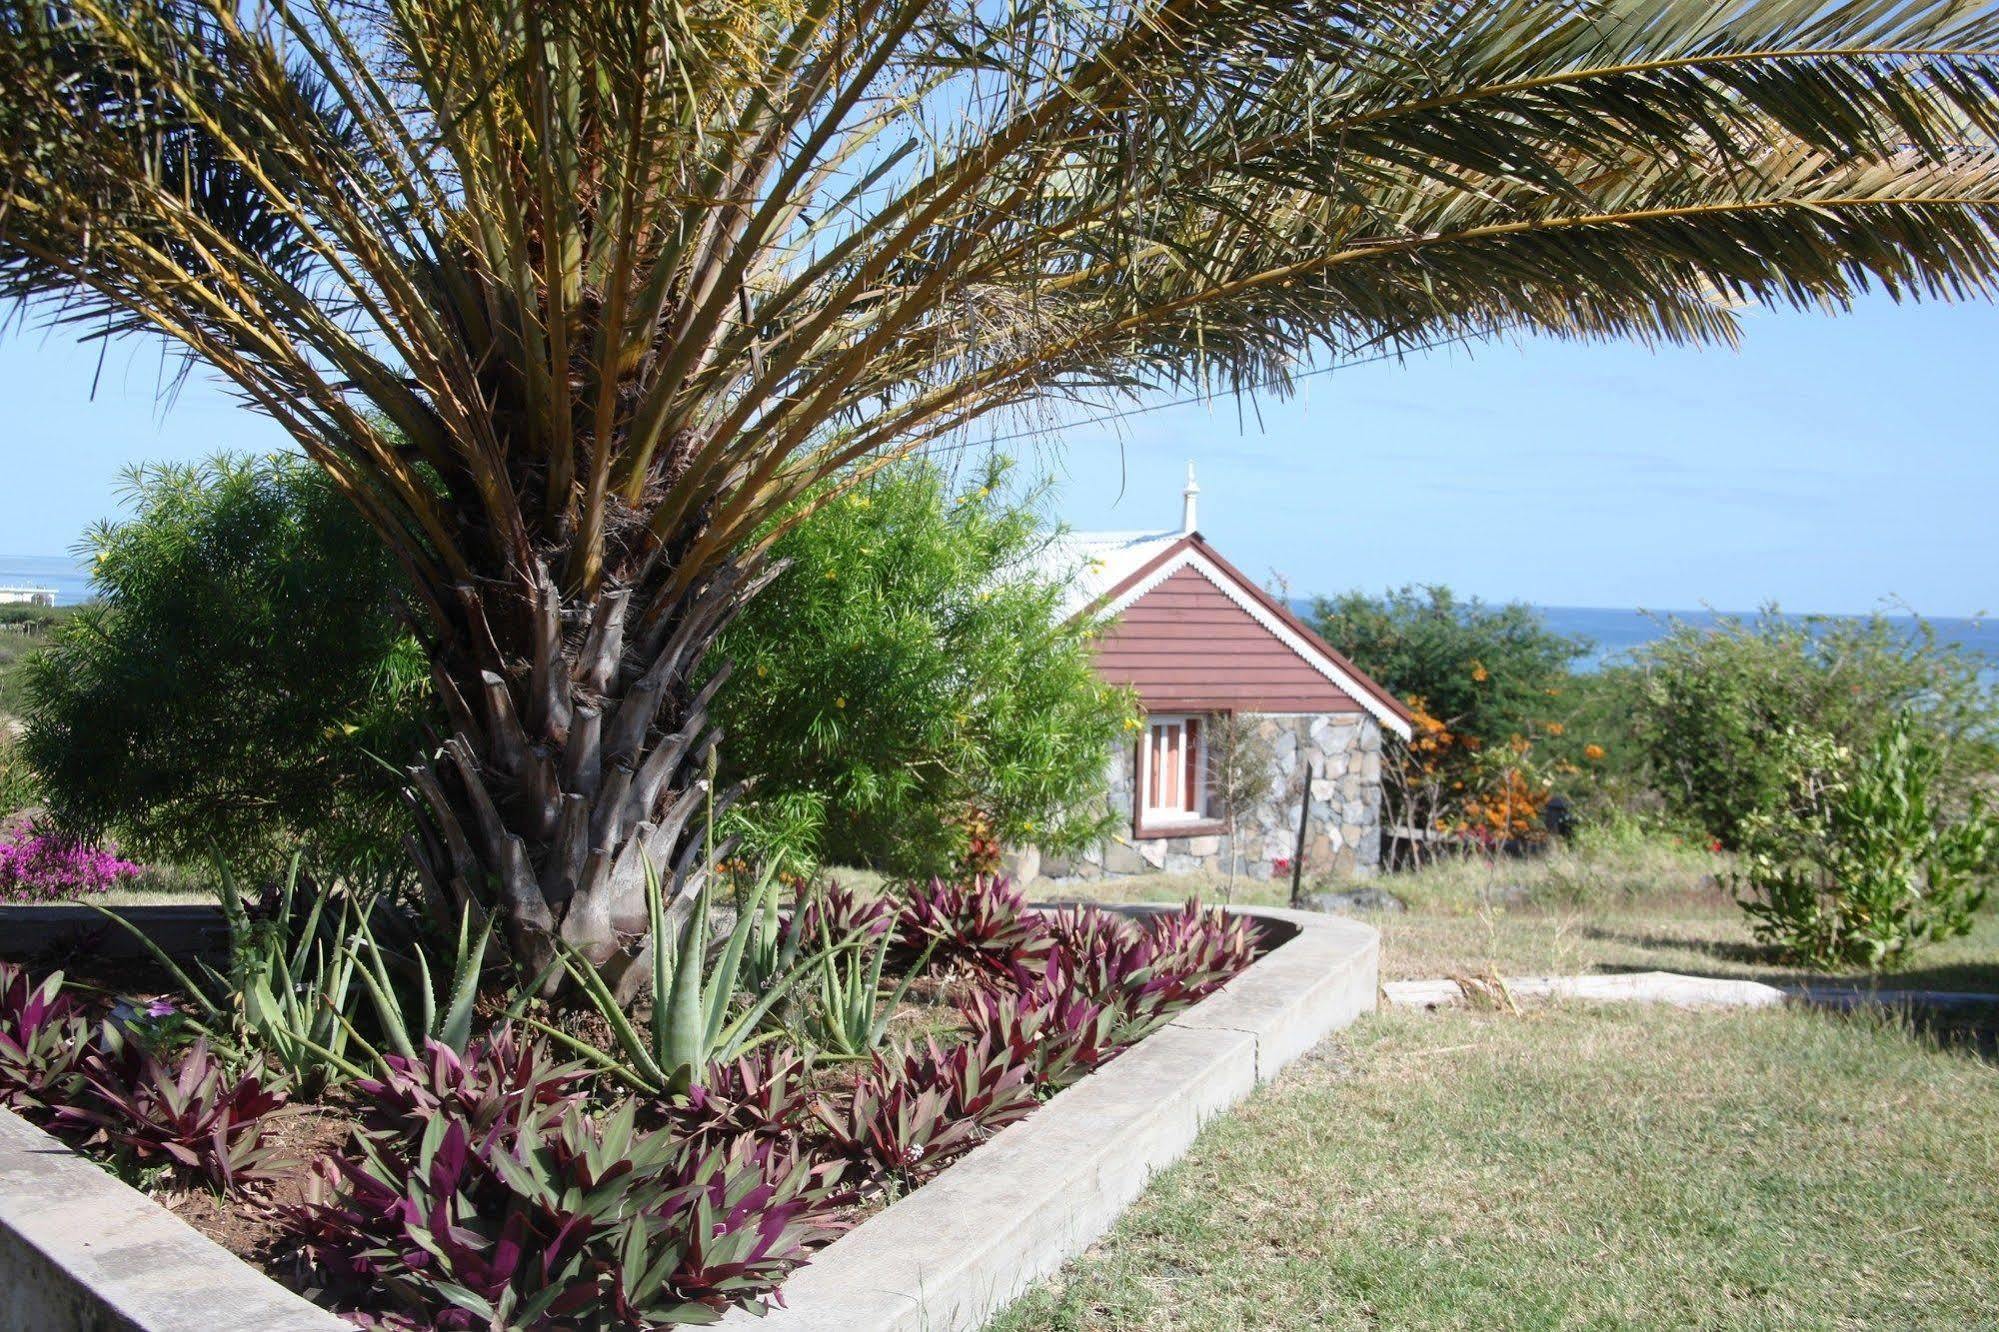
<point>886,1123</point>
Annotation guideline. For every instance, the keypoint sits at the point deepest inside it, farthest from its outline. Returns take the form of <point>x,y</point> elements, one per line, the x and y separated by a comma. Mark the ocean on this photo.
<point>69,580</point>
<point>1612,632</point>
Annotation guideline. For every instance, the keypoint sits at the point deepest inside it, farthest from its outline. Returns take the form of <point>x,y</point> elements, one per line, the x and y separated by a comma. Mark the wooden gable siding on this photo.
<point>1186,646</point>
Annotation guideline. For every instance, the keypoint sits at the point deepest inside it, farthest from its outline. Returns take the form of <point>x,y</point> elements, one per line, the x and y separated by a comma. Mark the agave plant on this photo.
<point>550,1217</point>
<point>43,1037</point>
<point>288,991</point>
<point>192,1116</point>
<point>581,304</point>
<point>407,1028</point>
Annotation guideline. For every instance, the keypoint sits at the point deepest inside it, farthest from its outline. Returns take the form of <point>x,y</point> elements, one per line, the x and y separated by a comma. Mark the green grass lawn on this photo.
<point>1625,905</point>
<point>1623,1166</point>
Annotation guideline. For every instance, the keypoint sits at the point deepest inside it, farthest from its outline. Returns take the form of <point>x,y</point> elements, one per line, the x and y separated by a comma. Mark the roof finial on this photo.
<point>1188,498</point>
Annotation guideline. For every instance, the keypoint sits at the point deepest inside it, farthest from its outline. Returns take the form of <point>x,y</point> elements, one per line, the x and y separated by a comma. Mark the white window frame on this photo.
<point>1156,816</point>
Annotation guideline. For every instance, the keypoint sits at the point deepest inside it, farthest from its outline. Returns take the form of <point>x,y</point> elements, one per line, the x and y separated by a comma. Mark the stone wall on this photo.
<point>1343,831</point>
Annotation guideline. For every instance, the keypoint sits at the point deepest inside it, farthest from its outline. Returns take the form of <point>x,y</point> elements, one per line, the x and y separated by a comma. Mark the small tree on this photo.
<point>1861,864</point>
<point>1241,775</point>
<point>1484,671</point>
<point>242,683</point>
<point>1483,683</point>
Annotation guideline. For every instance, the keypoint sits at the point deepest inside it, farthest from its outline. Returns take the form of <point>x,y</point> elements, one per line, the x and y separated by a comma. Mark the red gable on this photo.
<point>1192,634</point>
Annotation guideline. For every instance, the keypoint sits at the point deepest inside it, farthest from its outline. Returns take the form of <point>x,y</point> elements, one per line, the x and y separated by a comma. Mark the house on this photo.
<point>1214,657</point>
<point>27,596</point>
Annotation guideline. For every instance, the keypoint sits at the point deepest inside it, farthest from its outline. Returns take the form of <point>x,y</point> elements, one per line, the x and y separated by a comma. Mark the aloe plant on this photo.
<point>850,1018</point>
<point>696,1019</point>
<point>407,1030</point>
<point>288,990</point>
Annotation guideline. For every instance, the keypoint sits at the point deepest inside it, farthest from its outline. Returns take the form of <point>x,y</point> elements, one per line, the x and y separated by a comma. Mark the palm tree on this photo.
<point>581,302</point>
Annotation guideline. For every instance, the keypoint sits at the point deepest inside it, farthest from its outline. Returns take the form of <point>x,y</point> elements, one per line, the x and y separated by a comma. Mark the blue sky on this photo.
<point>1829,465</point>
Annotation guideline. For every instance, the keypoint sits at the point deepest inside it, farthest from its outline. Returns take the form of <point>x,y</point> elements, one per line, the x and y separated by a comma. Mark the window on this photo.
<point>1173,771</point>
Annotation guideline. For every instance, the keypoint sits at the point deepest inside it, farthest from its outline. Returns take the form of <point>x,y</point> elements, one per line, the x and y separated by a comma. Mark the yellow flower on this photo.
<point>831,576</point>
<point>762,670</point>
<point>1131,723</point>
<point>1478,673</point>
<point>862,501</point>
<point>839,702</point>
<point>1592,752</point>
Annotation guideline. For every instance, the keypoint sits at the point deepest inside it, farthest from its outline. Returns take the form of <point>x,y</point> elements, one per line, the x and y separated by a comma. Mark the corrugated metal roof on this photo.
<point>1092,563</point>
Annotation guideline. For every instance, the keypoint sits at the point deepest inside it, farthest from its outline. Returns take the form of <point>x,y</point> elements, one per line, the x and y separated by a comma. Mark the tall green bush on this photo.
<point>1863,861</point>
<point>1714,705</point>
<point>240,683</point>
<point>907,680</point>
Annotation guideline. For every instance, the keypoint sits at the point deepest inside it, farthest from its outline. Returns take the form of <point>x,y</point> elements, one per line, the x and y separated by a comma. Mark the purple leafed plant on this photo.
<point>831,910</point>
<point>914,1111</point>
<point>551,1217</point>
<point>44,867</point>
<point>764,1093</point>
<point>192,1115</point>
<point>1104,984</point>
<point>1056,1034</point>
<point>983,922</point>
<point>43,1038</point>
<point>1204,947</point>
<point>499,1080</point>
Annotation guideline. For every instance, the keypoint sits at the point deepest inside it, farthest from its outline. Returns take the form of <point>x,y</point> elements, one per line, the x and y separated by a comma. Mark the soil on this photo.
<point>253,1227</point>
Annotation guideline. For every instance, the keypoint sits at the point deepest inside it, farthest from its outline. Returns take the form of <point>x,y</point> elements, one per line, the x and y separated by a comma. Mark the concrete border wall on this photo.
<point>957,1250</point>
<point>80,1250</point>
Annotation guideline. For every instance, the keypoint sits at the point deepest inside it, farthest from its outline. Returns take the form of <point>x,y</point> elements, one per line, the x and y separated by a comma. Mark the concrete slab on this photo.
<point>80,1250</point>
<point>954,1252</point>
<point>1662,987</point>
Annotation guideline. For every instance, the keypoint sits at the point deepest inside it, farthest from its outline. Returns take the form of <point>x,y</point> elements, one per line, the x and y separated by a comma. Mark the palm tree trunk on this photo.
<point>578,749</point>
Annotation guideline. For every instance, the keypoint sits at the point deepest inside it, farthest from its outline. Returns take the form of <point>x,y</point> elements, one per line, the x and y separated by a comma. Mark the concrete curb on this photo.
<point>954,1252</point>
<point>184,930</point>
<point>80,1250</point>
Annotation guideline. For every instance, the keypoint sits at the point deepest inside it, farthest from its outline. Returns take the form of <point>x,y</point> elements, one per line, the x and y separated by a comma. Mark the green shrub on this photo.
<point>243,686</point>
<point>906,679</point>
<point>1862,863</point>
<point>242,681</point>
<point>1484,671</point>
<point>1714,705</point>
